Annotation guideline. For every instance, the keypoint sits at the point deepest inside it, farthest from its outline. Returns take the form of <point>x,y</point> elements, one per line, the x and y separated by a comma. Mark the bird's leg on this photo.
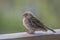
<point>31,31</point>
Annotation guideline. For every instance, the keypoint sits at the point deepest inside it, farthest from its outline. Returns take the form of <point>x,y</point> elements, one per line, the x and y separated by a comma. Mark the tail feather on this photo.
<point>51,30</point>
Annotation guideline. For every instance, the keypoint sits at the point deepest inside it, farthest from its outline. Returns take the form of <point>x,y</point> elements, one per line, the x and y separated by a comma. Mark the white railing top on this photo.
<point>25,34</point>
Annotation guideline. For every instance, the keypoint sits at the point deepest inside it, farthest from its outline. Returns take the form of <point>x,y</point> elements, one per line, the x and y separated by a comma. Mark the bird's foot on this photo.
<point>30,32</point>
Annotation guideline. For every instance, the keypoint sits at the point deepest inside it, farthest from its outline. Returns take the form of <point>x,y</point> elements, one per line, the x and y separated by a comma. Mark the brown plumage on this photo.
<point>32,23</point>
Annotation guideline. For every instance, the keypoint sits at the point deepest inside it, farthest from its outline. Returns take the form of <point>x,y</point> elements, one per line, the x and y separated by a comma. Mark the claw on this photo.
<point>30,32</point>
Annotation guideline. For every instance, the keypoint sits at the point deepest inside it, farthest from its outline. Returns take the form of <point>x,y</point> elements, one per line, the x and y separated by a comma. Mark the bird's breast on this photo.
<point>25,23</point>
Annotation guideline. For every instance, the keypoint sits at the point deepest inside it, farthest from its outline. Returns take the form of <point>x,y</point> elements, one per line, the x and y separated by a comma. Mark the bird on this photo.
<point>32,24</point>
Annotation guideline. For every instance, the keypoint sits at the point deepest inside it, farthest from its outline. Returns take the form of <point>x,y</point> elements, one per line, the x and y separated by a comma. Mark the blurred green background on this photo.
<point>48,11</point>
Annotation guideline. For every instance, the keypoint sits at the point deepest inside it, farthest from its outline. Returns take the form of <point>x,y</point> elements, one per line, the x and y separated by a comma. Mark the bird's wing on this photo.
<point>37,23</point>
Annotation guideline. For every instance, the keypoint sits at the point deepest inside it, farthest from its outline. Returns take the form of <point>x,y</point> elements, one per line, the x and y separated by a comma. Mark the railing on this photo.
<point>39,35</point>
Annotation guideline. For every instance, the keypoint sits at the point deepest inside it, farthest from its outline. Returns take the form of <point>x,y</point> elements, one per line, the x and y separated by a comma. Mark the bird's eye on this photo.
<point>26,14</point>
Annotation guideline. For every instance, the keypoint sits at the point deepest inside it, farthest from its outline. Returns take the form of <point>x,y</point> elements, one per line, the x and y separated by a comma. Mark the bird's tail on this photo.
<point>51,30</point>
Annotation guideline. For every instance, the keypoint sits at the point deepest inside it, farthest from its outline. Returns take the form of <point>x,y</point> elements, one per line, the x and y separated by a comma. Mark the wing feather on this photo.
<point>37,23</point>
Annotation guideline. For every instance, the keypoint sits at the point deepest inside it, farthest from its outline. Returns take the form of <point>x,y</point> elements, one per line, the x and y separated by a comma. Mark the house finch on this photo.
<point>32,23</point>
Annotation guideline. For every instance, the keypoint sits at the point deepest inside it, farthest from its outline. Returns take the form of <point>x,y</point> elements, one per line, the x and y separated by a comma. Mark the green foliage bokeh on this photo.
<point>48,11</point>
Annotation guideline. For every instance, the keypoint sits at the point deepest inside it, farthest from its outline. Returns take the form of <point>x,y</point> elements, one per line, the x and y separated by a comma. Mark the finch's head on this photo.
<point>28,14</point>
